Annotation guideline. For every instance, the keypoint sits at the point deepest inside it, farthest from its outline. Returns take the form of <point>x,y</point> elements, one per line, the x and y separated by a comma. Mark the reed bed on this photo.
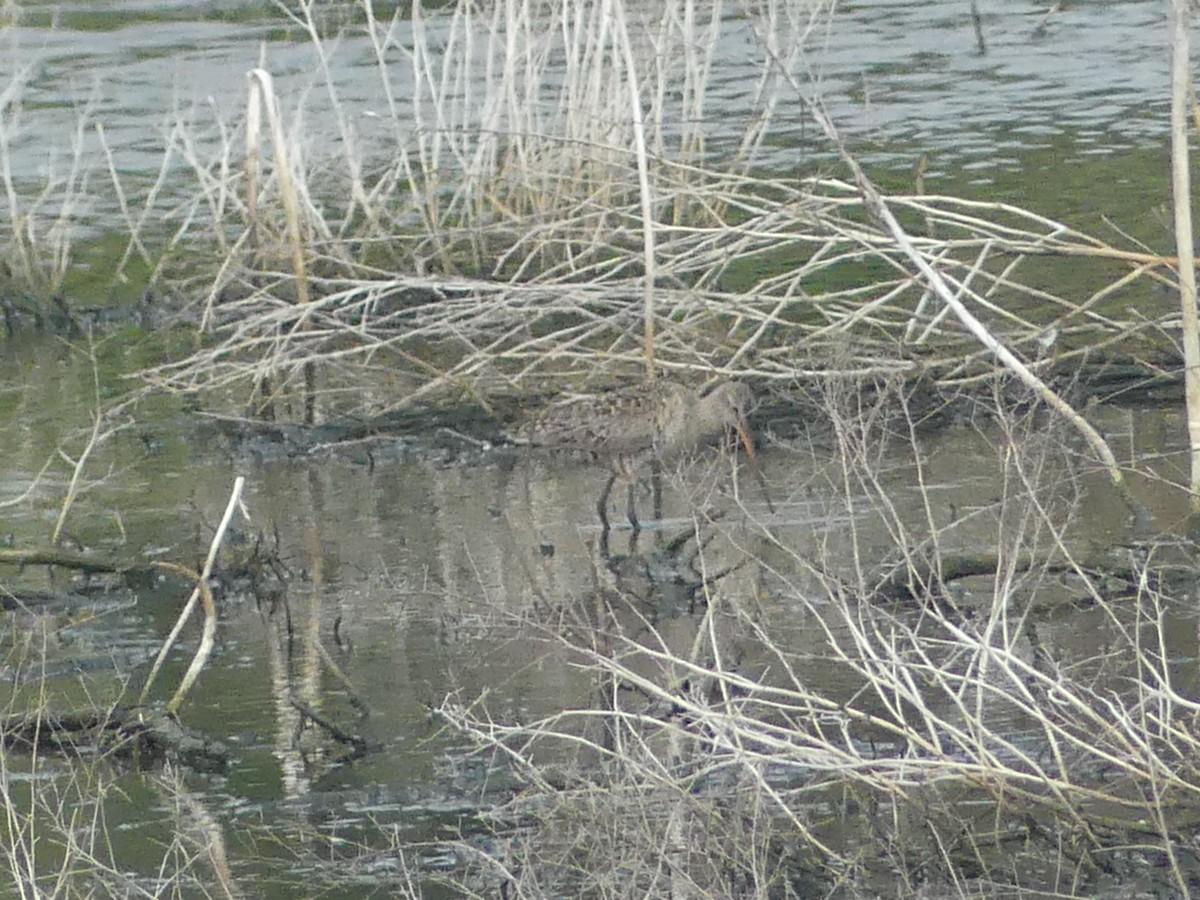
<point>583,314</point>
<point>549,210</point>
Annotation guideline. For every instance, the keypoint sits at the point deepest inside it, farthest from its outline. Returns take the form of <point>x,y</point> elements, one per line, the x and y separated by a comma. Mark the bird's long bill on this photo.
<point>743,433</point>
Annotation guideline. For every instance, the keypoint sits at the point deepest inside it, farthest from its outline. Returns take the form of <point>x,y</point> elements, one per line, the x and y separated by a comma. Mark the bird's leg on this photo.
<point>630,511</point>
<point>656,491</point>
<point>762,483</point>
<point>602,503</point>
<point>605,554</point>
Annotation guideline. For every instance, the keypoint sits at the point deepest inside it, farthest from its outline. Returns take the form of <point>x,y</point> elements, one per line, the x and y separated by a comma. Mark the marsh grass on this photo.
<point>41,224</point>
<point>81,230</point>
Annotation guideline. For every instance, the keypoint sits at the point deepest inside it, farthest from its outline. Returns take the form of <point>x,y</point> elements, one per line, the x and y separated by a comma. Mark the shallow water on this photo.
<point>436,572</point>
<point>902,78</point>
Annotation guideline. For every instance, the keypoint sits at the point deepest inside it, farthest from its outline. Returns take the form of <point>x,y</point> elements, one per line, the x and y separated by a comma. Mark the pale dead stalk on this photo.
<point>201,591</point>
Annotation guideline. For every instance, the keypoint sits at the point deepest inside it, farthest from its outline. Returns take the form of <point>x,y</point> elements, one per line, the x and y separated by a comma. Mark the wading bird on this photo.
<point>631,432</point>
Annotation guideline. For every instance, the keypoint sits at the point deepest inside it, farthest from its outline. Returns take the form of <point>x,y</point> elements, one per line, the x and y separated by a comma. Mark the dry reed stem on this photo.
<point>645,194</point>
<point>199,592</point>
<point>207,636</point>
<point>1181,84</point>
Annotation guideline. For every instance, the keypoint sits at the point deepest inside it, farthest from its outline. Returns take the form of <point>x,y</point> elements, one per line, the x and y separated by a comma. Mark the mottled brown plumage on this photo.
<point>631,430</point>
<point>662,421</point>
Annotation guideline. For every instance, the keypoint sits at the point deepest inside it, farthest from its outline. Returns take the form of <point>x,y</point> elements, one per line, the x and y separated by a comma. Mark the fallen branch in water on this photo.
<point>147,736</point>
<point>64,559</point>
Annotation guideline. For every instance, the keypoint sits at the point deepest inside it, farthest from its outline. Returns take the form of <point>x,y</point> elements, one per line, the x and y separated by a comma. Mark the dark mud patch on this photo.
<point>464,435</point>
<point>469,434</point>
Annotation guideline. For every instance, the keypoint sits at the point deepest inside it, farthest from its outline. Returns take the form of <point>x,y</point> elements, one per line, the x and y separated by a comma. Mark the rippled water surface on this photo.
<point>896,74</point>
